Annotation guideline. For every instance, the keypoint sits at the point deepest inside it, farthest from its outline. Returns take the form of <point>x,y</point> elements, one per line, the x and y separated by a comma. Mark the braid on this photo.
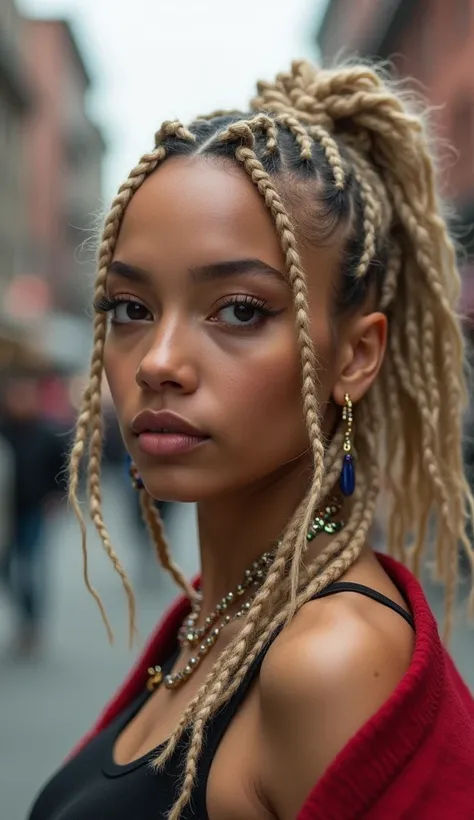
<point>286,233</point>
<point>89,421</point>
<point>155,526</point>
<point>372,211</point>
<point>392,272</point>
<point>173,128</point>
<point>332,152</point>
<point>300,134</point>
<point>333,461</point>
<point>269,128</point>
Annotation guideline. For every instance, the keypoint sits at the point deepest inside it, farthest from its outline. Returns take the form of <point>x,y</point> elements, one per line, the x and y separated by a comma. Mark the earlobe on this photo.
<point>361,357</point>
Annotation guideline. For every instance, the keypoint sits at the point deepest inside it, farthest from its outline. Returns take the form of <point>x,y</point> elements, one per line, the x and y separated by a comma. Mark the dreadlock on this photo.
<point>364,161</point>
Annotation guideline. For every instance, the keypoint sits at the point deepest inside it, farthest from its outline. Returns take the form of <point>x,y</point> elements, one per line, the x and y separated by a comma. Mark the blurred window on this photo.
<point>426,45</point>
<point>77,152</point>
<point>461,15</point>
<point>463,128</point>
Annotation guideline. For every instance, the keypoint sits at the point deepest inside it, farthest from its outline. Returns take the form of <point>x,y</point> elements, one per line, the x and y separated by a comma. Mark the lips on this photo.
<point>164,421</point>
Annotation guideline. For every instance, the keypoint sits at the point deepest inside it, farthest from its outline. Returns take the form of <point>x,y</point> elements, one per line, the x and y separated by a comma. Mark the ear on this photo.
<point>360,356</point>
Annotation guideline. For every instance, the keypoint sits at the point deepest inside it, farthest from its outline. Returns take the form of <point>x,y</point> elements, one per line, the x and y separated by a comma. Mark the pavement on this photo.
<point>47,704</point>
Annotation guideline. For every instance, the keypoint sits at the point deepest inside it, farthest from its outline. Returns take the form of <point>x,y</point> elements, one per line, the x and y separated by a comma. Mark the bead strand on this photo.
<point>205,636</point>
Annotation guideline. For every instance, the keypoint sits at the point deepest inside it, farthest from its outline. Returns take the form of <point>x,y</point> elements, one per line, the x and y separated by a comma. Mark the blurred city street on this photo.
<point>75,116</point>
<point>47,704</point>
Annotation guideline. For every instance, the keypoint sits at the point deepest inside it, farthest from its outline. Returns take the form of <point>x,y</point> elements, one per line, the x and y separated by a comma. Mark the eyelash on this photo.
<point>252,301</point>
<point>106,304</point>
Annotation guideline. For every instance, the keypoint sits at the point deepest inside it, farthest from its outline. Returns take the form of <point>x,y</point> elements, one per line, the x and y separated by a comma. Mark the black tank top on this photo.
<point>92,786</point>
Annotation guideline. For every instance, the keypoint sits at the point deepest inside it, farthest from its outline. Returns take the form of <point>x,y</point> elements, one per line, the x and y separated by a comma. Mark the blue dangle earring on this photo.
<point>347,480</point>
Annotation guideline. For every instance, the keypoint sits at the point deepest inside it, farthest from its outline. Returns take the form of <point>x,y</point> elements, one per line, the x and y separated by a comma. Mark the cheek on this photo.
<point>120,371</point>
<point>267,394</point>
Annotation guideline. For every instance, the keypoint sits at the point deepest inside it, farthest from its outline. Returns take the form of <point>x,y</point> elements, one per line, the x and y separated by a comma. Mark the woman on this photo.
<point>275,312</point>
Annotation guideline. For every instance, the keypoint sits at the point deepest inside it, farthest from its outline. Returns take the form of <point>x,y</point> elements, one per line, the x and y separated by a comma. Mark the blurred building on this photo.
<point>48,222</point>
<point>432,41</point>
<point>64,164</point>
<point>14,106</point>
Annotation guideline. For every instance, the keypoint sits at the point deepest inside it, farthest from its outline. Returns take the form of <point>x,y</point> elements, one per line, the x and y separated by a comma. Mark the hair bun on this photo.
<point>296,93</point>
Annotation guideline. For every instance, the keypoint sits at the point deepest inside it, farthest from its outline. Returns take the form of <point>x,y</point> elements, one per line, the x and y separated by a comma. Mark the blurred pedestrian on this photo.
<point>7,473</point>
<point>37,455</point>
<point>276,315</point>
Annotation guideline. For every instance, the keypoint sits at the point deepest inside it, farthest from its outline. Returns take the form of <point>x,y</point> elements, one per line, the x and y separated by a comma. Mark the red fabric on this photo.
<point>413,759</point>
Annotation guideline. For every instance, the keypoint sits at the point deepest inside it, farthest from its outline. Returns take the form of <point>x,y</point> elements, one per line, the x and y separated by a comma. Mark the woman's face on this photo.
<point>204,328</point>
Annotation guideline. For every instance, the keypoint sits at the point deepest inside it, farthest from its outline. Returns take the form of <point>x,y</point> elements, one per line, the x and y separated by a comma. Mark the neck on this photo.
<point>236,530</point>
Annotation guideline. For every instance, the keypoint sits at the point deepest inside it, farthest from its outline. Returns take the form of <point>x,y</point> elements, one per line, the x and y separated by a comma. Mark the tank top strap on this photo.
<point>368,592</point>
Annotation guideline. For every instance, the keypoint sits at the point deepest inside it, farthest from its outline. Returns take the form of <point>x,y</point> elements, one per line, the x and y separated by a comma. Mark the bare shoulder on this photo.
<point>322,679</point>
<point>333,642</point>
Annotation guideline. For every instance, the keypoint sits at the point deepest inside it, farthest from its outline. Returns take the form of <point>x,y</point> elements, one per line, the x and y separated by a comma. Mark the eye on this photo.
<point>125,312</point>
<point>242,312</point>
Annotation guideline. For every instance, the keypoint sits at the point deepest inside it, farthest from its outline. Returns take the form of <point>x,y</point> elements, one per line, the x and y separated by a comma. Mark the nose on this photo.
<point>169,363</point>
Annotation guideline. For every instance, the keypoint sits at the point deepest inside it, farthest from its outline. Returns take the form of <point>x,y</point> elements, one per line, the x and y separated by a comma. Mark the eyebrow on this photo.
<point>204,273</point>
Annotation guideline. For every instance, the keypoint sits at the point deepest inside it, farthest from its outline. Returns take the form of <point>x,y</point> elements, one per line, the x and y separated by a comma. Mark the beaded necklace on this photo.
<point>204,637</point>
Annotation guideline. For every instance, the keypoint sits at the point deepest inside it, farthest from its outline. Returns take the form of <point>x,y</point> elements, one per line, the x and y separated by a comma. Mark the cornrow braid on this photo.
<point>268,127</point>
<point>174,128</point>
<point>372,214</point>
<point>332,153</point>
<point>300,133</point>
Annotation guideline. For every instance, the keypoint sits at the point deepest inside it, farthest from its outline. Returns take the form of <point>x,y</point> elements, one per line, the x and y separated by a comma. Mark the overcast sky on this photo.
<point>157,59</point>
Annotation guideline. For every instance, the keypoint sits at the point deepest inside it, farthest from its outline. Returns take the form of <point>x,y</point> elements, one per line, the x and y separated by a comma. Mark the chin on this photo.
<point>184,496</point>
<point>189,490</point>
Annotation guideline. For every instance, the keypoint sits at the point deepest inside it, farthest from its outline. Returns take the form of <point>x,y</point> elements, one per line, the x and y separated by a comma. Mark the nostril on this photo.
<point>170,383</point>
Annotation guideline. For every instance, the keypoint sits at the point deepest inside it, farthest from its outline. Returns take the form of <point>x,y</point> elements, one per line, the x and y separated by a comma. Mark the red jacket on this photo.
<point>414,759</point>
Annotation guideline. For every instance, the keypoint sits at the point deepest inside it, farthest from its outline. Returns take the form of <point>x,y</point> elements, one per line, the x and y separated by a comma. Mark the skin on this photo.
<point>185,352</point>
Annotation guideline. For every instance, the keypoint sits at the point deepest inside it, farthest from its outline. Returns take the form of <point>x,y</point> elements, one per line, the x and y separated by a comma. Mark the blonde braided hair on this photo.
<point>353,135</point>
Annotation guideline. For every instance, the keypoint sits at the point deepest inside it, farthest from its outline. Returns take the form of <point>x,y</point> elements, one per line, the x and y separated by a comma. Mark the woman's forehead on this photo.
<point>195,210</point>
<point>193,206</point>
